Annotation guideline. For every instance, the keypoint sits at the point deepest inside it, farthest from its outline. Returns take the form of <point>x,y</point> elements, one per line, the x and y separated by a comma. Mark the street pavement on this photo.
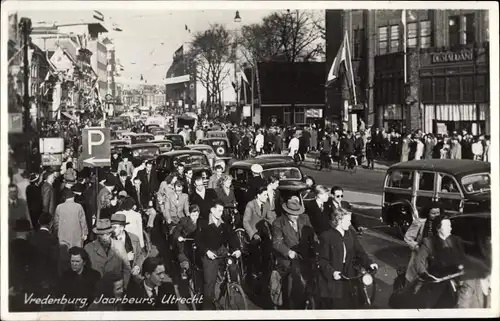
<point>363,190</point>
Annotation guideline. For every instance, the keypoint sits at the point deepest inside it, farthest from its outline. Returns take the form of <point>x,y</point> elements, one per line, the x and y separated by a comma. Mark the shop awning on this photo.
<point>68,115</point>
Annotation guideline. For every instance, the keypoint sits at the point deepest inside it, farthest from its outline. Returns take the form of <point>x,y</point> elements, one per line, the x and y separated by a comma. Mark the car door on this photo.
<point>240,184</point>
<point>425,191</point>
<point>449,194</point>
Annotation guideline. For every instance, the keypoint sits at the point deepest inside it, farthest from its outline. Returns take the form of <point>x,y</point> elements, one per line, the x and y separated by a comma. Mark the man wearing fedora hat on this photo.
<point>293,239</point>
<point>130,241</point>
<point>106,194</point>
<point>107,254</point>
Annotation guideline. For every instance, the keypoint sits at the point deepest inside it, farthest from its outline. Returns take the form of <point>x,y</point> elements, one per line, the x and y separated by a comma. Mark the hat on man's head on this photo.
<point>103,226</point>
<point>78,188</point>
<point>119,218</point>
<point>110,180</point>
<point>123,173</point>
<point>34,177</point>
<point>256,168</point>
<point>293,206</point>
<point>123,194</point>
<point>67,193</point>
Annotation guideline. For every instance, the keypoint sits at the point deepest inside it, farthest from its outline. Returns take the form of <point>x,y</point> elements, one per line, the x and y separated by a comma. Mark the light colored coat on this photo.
<point>253,215</point>
<point>115,260</point>
<point>128,167</point>
<point>456,150</point>
<point>176,208</point>
<point>413,238</point>
<point>419,152</point>
<point>70,224</point>
<point>259,142</point>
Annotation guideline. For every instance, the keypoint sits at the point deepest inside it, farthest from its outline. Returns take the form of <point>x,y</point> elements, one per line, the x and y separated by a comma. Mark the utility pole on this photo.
<point>25,26</point>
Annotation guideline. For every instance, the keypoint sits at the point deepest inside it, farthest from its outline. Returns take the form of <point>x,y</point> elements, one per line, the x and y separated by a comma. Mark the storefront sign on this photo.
<point>449,56</point>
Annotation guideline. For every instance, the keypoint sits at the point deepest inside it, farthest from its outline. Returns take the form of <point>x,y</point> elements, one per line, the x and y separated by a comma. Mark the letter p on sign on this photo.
<point>91,142</point>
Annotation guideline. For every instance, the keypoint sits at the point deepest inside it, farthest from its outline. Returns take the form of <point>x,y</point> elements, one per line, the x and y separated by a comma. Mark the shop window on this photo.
<point>426,182</point>
<point>394,39</point>
<point>439,89</point>
<point>453,89</point>
<point>426,89</point>
<point>299,115</point>
<point>467,86</point>
<point>400,179</point>
<point>382,40</point>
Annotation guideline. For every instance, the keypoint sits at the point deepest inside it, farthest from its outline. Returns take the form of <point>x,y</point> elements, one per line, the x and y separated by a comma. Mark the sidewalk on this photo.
<point>379,165</point>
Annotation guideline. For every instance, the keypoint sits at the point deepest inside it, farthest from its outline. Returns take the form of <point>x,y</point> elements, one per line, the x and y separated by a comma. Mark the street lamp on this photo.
<point>237,17</point>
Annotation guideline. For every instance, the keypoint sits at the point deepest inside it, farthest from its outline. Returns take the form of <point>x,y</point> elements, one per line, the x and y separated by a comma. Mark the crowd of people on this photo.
<point>116,240</point>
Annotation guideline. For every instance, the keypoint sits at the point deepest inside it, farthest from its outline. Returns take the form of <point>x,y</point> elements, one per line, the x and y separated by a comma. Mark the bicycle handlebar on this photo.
<point>445,278</point>
<point>360,275</point>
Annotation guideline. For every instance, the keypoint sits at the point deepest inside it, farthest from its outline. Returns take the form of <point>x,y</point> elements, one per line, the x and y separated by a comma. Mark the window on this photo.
<point>426,181</point>
<point>425,34</point>
<point>239,174</point>
<point>287,116</point>
<point>448,184</point>
<point>426,89</point>
<point>358,43</point>
<point>299,115</point>
<point>382,40</point>
<point>400,179</point>
<point>439,89</point>
<point>412,35</point>
<point>467,88</point>
<point>453,89</point>
<point>477,183</point>
<point>394,39</point>
<point>461,30</point>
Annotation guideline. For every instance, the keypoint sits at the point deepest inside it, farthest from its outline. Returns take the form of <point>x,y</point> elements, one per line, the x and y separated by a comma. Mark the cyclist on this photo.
<point>346,148</point>
<point>186,229</point>
<point>325,150</point>
<point>293,239</point>
<point>215,240</point>
<point>339,246</point>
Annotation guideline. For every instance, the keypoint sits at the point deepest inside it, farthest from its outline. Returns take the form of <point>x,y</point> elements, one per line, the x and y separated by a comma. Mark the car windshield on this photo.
<point>284,173</point>
<point>176,139</point>
<point>145,151</point>
<point>477,183</point>
<point>217,134</point>
<point>192,160</point>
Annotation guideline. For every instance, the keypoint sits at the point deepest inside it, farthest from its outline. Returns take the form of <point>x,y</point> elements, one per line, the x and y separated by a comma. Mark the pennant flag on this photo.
<point>244,77</point>
<point>45,80</point>
<point>343,57</point>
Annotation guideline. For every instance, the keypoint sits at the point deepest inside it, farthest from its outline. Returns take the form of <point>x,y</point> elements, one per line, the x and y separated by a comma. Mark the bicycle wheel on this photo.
<point>235,298</point>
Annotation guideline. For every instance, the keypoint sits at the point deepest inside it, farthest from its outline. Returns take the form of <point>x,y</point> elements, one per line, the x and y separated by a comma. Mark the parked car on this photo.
<point>207,150</point>
<point>177,140</point>
<point>137,153</point>
<point>460,186</point>
<point>164,144</point>
<point>291,178</point>
<point>166,163</point>
<point>220,147</point>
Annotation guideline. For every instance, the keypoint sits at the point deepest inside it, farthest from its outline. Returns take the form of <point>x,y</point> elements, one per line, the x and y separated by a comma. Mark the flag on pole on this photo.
<point>343,57</point>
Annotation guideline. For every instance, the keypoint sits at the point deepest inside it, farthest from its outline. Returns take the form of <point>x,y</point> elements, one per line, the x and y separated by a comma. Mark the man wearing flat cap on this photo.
<point>293,240</point>
<point>106,194</point>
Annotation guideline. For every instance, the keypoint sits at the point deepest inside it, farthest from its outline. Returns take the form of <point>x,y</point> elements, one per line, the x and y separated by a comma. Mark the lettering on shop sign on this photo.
<point>449,56</point>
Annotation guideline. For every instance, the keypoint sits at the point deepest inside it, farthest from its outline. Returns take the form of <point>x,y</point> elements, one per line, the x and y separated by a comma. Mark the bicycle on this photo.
<point>230,213</point>
<point>348,162</point>
<point>364,279</point>
<point>229,288</point>
<point>328,160</point>
<point>192,274</point>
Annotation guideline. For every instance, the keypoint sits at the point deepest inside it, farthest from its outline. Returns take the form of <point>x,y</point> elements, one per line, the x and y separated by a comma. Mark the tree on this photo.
<point>283,36</point>
<point>211,50</point>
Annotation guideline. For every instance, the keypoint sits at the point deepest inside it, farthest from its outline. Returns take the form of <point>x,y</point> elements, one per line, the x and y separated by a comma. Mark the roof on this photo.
<point>264,162</point>
<point>141,145</point>
<point>199,146</point>
<point>460,167</point>
<point>118,141</point>
<point>182,152</point>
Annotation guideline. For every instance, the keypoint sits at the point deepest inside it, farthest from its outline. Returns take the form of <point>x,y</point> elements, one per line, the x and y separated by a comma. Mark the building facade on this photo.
<point>180,82</point>
<point>446,83</point>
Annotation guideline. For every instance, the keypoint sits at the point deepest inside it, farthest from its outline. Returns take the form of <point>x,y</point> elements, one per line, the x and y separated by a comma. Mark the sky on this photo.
<point>149,36</point>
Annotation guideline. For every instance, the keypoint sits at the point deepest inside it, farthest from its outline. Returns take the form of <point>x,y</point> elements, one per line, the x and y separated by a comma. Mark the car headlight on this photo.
<point>367,279</point>
<point>229,261</point>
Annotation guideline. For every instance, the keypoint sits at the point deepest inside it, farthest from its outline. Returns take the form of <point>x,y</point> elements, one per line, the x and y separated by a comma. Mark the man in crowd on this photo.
<point>34,198</point>
<point>18,208</point>
<point>70,224</point>
<point>130,242</point>
<point>202,197</point>
<point>107,254</point>
<point>255,182</point>
<point>133,218</point>
<point>188,181</point>
<point>106,194</point>
<point>126,165</point>
<point>124,183</point>
<point>214,179</point>
<point>149,181</point>
<point>319,211</point>
<point>48,195</point>
<point>47,251</point>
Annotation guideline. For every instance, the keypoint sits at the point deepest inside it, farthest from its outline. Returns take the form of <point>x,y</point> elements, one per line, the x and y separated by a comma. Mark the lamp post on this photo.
<point>25,26</point>
<point>237,19</point>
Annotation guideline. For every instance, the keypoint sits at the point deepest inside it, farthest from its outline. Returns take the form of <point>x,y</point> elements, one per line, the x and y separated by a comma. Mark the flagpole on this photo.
<point>403,23</point>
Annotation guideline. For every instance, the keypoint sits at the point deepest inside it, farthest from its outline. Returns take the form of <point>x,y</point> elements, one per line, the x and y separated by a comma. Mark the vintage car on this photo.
<point>459,185</point>
<point>291,178</point>
<point>164,144</point>
<point>138,138</point>
<point>216,134</point>
<point>127,136</point>
<point>207,150</point>
<point>138,153</point>
<point>166,163</point>
<point>475,230</point>
<point>177,140</point>
<point>117,145</point>
<point>220,147</point>
<point>151,128</point>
